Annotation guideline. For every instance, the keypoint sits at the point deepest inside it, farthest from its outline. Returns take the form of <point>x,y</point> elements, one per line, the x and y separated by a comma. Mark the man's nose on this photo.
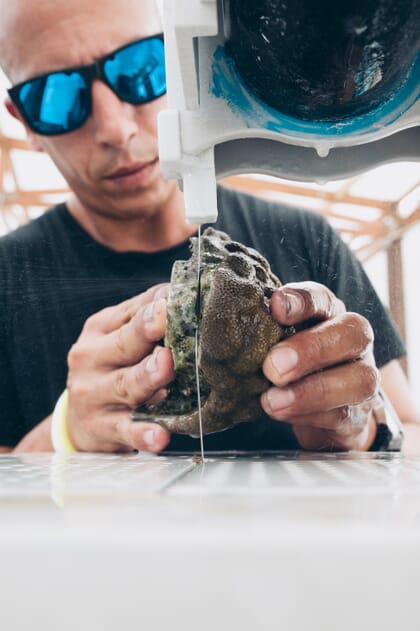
<point>114,121</point>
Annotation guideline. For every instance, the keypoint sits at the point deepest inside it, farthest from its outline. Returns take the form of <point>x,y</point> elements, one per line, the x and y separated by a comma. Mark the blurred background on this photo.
<point>377,214</point>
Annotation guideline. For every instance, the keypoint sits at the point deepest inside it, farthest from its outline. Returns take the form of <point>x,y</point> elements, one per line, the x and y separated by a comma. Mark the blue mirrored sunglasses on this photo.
<point>60,102</point>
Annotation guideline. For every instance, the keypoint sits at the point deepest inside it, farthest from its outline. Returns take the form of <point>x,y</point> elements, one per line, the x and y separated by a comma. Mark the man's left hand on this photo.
<point>324,377</point>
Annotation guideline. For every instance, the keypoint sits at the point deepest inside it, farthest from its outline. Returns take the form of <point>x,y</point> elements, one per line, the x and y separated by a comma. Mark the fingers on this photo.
<point>136,436</point>
<point>331,409</point>
<point>319,439</point>
<point>348,427</point>
<point>116,432</point>
<point>112,318</point>
<point>347,384</point>
<point>324,376</point>
<point>137,384</point>
<point>148,436</point>
<point>128,387</point>
<point>336,341</point>
<point>135,339</point>
<point>340,420</point>
<point>105,423</point>
<point>295,303</point>
<point>124,346</point>
<point>114,366</point>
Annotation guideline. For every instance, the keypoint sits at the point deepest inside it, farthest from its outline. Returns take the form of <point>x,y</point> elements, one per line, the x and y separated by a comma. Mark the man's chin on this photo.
<point>136,206</point>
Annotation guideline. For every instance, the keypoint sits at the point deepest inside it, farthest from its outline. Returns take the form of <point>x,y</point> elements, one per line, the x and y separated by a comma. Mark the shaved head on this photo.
<point>46,31</point>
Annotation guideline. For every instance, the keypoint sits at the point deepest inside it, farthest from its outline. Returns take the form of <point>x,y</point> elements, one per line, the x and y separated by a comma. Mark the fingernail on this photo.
<point>153,310</point>
<point>151,365</point>
<point>162,292</point>
<point>284,359</point>
<point>294,303</point>
<point>148,312</point>
<point>149,437</point>
<point>279,398</point>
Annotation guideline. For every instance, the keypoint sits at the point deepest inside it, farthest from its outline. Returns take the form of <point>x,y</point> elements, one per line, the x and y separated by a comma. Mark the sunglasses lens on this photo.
<point>60,102</point>
<point>55,104</point>
<point>137,72</point>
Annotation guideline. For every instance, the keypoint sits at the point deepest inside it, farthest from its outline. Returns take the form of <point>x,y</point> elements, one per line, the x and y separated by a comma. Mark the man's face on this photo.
<point>111,162</point>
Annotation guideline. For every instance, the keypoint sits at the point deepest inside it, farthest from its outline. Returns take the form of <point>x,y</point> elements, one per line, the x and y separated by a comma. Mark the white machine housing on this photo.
<point>215,127</point>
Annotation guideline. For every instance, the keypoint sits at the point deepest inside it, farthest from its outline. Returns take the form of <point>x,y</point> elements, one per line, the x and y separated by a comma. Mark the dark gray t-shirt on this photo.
<point>53,275</point>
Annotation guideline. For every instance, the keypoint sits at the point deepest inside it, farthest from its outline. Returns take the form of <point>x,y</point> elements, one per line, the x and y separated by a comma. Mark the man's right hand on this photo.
<point>116,365</point>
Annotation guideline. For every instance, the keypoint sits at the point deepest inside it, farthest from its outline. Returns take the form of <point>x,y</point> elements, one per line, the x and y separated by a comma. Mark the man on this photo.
<point>84,294</point>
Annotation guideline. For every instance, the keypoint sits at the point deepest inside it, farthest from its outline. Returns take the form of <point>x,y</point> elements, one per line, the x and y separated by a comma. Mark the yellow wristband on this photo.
<point>59,435</point>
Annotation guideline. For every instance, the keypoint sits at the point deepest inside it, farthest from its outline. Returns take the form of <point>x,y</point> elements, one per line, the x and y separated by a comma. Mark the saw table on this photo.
<point>294,541</point>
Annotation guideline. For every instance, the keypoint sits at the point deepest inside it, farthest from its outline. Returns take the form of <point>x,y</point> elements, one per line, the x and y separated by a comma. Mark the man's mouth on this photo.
<point>129,170</point>
<point>132,177</point>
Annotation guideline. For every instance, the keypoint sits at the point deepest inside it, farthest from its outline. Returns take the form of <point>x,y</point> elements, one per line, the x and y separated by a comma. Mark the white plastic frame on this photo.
<point>202,137</point>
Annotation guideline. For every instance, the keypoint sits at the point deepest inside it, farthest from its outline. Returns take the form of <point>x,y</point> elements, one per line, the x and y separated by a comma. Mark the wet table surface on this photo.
<point>296,539</point>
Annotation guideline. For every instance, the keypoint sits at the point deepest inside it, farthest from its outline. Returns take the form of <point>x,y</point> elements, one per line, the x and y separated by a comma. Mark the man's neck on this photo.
<point>159,231</point>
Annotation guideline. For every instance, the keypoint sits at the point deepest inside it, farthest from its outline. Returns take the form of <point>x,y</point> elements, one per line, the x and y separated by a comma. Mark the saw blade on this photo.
<point>197,340</point>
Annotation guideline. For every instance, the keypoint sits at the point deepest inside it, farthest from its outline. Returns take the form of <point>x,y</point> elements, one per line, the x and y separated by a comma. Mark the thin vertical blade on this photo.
<point>197,338</point>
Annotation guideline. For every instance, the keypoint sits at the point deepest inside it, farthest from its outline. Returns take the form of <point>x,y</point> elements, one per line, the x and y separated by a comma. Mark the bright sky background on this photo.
<point>35,171</point>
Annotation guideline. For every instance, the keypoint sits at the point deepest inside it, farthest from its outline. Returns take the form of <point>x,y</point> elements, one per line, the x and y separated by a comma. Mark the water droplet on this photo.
<point>358,30</point>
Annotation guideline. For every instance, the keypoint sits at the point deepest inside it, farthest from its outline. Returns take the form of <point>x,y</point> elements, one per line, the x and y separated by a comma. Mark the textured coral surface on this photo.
<point>235,332</point>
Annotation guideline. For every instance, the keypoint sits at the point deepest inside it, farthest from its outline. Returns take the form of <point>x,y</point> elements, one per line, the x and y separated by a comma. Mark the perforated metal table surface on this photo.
<point>294,540</point>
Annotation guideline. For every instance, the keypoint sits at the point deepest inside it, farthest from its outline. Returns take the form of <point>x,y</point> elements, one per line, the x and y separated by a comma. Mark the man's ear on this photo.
<point>31,137</point>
